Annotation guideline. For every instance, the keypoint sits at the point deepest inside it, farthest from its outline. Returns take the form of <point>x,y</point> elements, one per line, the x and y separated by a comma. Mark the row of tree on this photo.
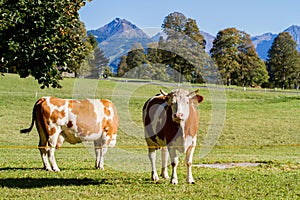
<point>233,53</point>
<point>42,38</point>
<point>180,55</point>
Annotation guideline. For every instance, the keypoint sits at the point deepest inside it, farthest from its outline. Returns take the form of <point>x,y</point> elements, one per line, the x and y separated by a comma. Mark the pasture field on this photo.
<point>261,126</point>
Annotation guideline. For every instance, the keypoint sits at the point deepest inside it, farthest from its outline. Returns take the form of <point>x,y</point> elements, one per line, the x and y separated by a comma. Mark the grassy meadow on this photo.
<point>260,126</point>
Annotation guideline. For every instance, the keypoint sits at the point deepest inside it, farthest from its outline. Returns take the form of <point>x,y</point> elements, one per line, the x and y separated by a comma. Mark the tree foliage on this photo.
<point>184,46</point>
<point>237,59</point>
<point>283,62</point>
<point>122,66</point>
<point>40,37</point>
<point>98,63</point>
<point>180,54</point>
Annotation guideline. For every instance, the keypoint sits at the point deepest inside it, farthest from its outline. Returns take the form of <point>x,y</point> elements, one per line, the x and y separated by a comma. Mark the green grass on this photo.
<point>260,126</point>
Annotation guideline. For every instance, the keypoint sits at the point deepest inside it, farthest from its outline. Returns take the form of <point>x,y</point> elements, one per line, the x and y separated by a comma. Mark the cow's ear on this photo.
<point>198,98</point>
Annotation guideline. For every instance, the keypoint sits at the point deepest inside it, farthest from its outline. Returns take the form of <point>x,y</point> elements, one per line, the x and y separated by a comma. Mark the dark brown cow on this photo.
<point>171,120</point>
<point>58,120</point>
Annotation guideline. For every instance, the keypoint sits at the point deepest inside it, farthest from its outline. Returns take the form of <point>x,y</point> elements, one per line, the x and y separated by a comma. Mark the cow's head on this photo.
<point>180,102</point>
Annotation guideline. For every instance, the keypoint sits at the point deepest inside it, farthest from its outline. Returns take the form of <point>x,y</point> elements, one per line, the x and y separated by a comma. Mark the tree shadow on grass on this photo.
<point>26,183</point>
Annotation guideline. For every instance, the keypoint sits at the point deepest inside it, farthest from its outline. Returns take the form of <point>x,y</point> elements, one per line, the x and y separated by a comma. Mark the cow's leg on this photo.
<point>52,144</point>
<point>43,146</point>
<point>97,146</point>
<point>152,157</point>
<point>174,163</point>
<point>43,151</point>
<point>164,162</point>
<point>52,159</point>
<point>188,160</point>
<point>100,152</point>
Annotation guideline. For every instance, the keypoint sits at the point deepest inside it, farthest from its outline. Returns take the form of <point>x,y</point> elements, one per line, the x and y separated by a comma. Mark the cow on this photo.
<point>171,124</point>
<point>58,120</point>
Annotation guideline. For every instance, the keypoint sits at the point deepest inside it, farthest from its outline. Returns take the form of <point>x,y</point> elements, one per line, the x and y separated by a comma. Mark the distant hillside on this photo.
<point>209,40</point>
<point>118,28</point>
<point>264,42</point>
<point>117,37</point>
<point>295,33</point>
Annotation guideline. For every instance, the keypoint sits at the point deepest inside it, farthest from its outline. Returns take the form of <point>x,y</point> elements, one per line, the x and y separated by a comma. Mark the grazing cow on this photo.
<point>171,120</point>
<point>58,120</point>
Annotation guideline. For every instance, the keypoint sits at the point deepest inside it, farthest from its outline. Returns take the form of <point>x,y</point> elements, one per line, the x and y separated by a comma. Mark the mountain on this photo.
<point>117,37</point>
<point>295,33</point>
<point>158,35</point>
<point>118,28</point>
<point>264,42</point>
<point>209,40</point>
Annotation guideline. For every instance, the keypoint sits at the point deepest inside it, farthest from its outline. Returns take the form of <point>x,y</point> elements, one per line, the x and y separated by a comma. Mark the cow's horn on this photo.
<point>196,92</point>
<point>163,92</point>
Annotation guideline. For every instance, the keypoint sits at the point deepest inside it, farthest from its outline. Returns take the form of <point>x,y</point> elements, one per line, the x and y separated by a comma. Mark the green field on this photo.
<point>261,126</point>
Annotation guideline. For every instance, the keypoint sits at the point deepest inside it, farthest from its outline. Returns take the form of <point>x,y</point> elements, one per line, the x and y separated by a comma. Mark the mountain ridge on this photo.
<point>117,37</point>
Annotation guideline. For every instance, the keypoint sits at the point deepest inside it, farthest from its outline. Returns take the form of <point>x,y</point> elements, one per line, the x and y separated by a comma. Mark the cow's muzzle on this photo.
<point>178,117</point>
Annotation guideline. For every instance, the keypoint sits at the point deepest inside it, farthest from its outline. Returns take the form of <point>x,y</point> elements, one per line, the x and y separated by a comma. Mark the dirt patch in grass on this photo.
<point>227,165</point>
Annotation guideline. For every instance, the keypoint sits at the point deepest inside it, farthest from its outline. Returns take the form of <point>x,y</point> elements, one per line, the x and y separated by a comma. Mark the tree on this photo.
<point>283,62</point>
<point>85,66</point>
<point>191,29</point>
<point>252,70</point>
<point>174,23</point>
<point>122,67</point>
<point>185,43</point>
<point>40,37</point>
<point>99,62</point>
<point>135,59</point>
<point>237,59</point>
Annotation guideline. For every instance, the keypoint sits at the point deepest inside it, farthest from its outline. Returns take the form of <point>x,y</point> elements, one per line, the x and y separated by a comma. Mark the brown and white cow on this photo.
<point>171,120</point>
<point>58,120</point>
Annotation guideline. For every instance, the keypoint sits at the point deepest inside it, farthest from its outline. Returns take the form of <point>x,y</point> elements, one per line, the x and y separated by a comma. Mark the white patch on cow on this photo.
<point>111,116</point>
<point>113,140</point>
<point>98,109</point>
<point>73,118</point>
<point>90,137</point>
<point>189,140</point>
<point>179,141</point>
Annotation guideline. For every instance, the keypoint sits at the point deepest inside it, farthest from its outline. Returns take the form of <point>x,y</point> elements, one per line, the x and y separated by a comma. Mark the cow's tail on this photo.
<point>27,130</point>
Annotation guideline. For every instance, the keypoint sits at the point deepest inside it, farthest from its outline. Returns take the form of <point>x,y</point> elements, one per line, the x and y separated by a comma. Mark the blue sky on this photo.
<point>255,17</point>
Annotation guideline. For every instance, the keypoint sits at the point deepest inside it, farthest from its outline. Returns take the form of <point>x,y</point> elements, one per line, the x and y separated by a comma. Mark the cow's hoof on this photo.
<point>155,179</point>
<point>165,176</point>
<point>191,181</point>
<point>174,181</point>
<point>100,168</point>
<point>56,169</point>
